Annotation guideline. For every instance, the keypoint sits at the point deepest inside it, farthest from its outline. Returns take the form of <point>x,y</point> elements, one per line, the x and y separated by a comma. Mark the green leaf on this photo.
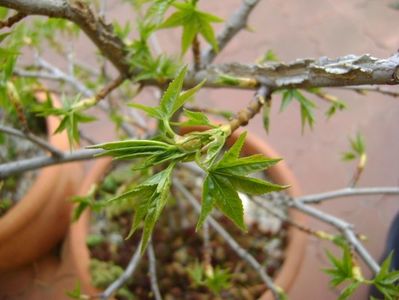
<point>234,152</point>
<point>4,35</point>
<point>225,198</point>
<point>342,269</point>
<point>347,156</point>
<point>193,22</point>
<point>246,165</point>
<point>195,118</point>
<point>266,115</point>
<point>153,112</point>
<point>169,101</point>
<point>186,95</point>
<point>349,290</point>
<point>358,144</point>
<point>208,200</point>
<point>252,186</point>
<point>214,147</point>
<point>269,56</point>
<point>288,96</point>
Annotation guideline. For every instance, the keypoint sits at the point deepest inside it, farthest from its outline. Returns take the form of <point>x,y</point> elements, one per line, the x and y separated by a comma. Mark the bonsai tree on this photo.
<point>139,64</point>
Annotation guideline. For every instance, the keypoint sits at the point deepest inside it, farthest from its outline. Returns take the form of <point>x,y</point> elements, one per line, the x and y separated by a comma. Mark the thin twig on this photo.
<point>33,138</point>
<point>153,272</point>
<point>344,227</point>
<point>244,116</point>
<point>126,275</point>
<point>317,198</point>
<point>20,166</point>
<point>241,252</point>
<point>196,48</point>
<point>235,24</point>
<point>376,89</point>
<point>9,22</point>
<point>283,218</point>
<point>207,247</point>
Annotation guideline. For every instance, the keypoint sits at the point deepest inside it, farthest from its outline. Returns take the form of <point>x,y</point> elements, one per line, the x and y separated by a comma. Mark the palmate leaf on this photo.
<point>193,22</point>
<point>227,177</point>
<point>195,118</point>
<point>386,281</point>
<point>172,100</point>
<point>148,200</point>
<point>306,106</point>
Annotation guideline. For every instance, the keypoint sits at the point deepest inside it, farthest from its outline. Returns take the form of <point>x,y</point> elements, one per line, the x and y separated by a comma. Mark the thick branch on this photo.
<point>323,72</point>
<point>80,13</point>
<point>20,166</point>
<point>234,24</point>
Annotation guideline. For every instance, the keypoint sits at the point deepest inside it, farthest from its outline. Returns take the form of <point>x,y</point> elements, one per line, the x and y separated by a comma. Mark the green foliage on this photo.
<point>386,281</point>
<point>194,22</point>
<point>149,198</point>
<point>227,177</point>
<point>269,56</point>
<point>306,106</point>
<point>76,293</point>
<point>267,107</point>
<point>358,148</point>
<point>171,101</point>
<point>69,114</point>
<point>216,279</point>
<point>195,118</point>
<point>344,270</point>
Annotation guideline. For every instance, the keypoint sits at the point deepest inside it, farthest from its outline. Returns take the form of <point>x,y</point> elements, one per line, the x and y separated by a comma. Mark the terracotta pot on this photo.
<point>77,254</point>
<point>40,219</point>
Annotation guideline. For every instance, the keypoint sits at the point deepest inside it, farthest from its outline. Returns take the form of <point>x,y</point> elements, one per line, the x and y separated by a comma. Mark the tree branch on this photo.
<point>153,272</point>
<point>344,227</point>
<point>127,274</point>
<point>317,198</point>
<point>12,20</point>
<point>33,138</point>
<point>20,166</point>
<point>244,116</point>
<point>377,89</point>
<point>234,24</point>
<point>80,13</point>
<point>305,73</point>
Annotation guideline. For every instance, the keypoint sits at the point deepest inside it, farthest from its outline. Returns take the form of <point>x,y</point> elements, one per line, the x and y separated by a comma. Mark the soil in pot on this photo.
<point>12,148</point>
<point>186,269</point>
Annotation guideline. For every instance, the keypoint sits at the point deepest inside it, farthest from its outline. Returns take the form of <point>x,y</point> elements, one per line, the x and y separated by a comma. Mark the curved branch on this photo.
<point>79,13</point>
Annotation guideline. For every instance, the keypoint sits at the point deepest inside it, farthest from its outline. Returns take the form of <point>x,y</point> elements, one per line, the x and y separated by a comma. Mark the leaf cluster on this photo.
<point>358,148</point>
<point>216,279</point>
<point>70,116</point>
<point>226,176</point>
<point>194,22</point>
<point>306,106</point>
<point>345,270</point>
